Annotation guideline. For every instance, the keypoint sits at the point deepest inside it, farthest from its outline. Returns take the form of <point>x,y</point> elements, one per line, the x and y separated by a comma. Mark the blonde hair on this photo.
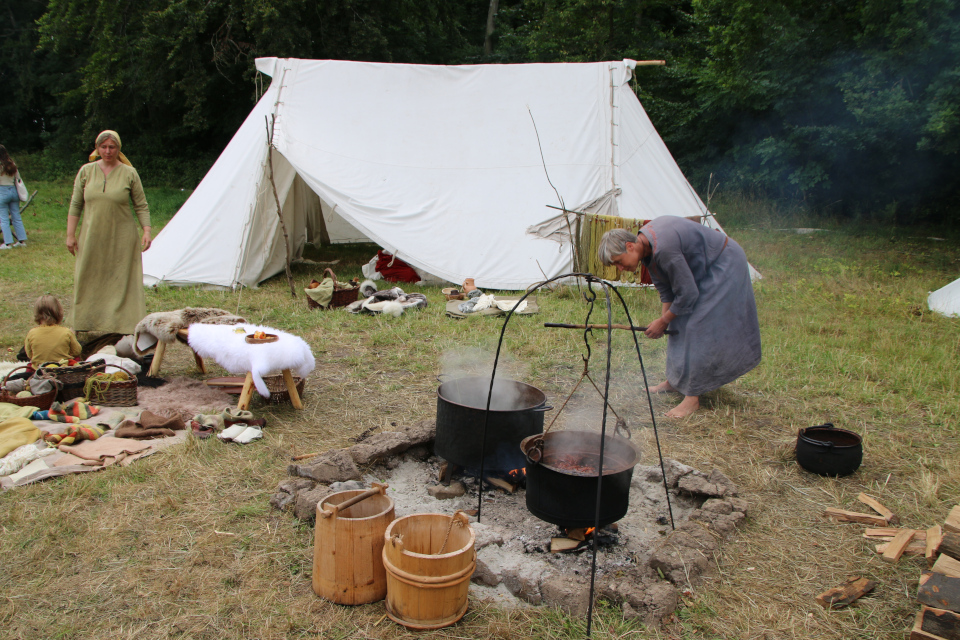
<point>47,311</point>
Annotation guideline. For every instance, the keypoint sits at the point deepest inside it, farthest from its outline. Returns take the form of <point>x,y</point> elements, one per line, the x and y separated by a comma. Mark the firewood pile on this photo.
<point>939,590</point>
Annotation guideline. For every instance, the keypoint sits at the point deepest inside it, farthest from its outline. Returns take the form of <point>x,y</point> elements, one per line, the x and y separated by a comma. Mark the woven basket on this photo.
<point>343,294</point>
<point>73,378</point>
<point>278,388</point>
<point>41,401</point>
<point>122,393</point>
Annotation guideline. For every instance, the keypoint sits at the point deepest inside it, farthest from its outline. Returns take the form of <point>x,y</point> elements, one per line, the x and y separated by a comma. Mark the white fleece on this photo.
<point>231,351</point>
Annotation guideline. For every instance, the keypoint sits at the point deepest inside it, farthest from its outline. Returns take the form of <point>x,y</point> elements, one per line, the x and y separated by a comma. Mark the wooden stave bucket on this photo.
<point>427,591</point>
<point>342,577</point>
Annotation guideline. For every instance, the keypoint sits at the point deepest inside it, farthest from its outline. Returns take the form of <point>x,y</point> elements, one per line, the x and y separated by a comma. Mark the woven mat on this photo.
<point>532,308</point>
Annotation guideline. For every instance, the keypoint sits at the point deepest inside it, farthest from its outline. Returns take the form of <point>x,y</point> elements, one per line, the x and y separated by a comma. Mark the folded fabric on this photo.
<point>507,305</point>
<point>111,420</point>
<point>240,433</point>
<point>150,420</point>
<point>22,456</point>
<point>115,363</point>
<point>322,294</point>
<point>15,433</point>
<point>108,451</point>
<point>130,429</point>
<point>8,410</point>
<point>71,411</point>
<point>75,433</point>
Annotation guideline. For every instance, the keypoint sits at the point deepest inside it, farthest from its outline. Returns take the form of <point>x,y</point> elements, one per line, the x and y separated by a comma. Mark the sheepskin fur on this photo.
<point>390,301</point>
<point>229,349</point>
<point>183,398</point>
<point>163,325</point>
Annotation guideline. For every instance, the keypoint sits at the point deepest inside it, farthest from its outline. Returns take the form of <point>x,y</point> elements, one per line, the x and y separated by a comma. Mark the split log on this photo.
<point>934,536</point>
<point>843,595</point>
<point>577,534</point>
<point>917,633</point>
<point>563,544</point>
<point>895,549</point>
<point>502,484</point>
<point>888,515</point>
<point>949,545</point>
<point>890,532</point>
<point>940,591</point>
<point>952,522</point>
<point>915,548</point>
<point>947,566</point>
<point>941,623</point>
<point>852,516</point>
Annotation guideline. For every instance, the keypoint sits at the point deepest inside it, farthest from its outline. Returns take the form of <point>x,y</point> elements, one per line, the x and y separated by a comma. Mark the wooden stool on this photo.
<point>162,349</point>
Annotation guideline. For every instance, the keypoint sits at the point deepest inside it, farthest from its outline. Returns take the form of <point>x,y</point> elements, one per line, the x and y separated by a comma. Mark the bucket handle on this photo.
<point>826,425</point>
<point>545,407</point>
<point>332,510</point>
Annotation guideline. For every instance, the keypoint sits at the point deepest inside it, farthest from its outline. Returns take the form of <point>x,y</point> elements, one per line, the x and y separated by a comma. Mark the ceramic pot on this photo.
<point>468,285</point>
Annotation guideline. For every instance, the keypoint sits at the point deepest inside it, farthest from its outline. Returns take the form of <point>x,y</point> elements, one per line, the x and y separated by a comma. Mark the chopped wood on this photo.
<point>843,595</point>
<point>947,566</point>
<point>871,502</point>
<point>940,591</point>
<point>917,632</point>
<point>895,549</point>
<point>949,545</point>
<point>558,545</point>
<point>934,535</point>
<point>502,484</point>
<point>915,548</point>
<point>577,534</point>
<point>890,532</point>
<point>939,622</point>
<point>852,516</point>
<point>952,523</point>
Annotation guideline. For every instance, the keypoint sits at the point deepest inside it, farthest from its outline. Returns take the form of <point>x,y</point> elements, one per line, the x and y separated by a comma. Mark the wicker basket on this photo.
<point>73,378</point>
<point>119,393</point>
<point>41,401</point>
<point>343,294</point>
<point>278,388</point>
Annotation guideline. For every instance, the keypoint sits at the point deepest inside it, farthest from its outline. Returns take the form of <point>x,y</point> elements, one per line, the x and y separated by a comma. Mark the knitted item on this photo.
<point>75,433</point>
<point>72,411</point>
<point>211,421</point>
<point>130,429</point>
<point>99,383</point>
<point>236,415</point>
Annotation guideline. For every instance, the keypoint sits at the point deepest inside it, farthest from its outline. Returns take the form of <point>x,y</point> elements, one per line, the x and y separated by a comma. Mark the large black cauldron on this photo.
<point>516,411</point>
<point>561,489</point>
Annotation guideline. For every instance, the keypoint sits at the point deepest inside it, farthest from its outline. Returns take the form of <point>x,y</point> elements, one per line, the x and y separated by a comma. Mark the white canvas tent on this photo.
<point>946,300</point>
<point>438,165</point>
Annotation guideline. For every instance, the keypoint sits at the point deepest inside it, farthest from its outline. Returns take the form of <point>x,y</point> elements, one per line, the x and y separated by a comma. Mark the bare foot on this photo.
<point>689,405</point>
<point>660,388</point>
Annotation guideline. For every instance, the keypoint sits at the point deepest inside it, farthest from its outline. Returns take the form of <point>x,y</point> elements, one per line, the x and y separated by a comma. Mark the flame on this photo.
<point>517,474</point>
<point>588,531</point>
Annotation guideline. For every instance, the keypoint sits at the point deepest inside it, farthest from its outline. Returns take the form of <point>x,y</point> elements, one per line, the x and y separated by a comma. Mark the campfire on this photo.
<point>578,539</point>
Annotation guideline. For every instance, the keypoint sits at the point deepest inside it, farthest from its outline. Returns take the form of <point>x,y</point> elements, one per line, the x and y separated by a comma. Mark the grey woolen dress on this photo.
<point>705,277</point>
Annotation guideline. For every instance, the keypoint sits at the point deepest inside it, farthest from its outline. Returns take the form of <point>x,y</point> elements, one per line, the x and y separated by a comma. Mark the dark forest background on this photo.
<point>850,107</point>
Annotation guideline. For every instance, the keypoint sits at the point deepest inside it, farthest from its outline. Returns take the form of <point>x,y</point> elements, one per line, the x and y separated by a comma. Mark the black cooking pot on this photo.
<point>562,489</point>
<point>516,411</point>
<point>829,451</point>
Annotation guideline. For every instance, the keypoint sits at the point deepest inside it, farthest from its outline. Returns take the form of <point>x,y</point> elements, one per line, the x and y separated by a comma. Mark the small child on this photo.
<point>49,342</point>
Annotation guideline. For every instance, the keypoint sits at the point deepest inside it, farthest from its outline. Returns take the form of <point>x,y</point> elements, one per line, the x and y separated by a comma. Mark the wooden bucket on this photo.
<point>427,589</point>
<point>348,545</point>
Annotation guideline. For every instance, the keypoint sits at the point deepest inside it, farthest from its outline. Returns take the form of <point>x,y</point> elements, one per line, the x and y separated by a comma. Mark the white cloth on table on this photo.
<point>229,348</point>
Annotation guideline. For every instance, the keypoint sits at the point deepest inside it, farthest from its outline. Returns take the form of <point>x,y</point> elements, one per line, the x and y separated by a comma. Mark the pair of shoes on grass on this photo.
<point>200,430</point>
<point>233,416</point>
<point>241,433</point>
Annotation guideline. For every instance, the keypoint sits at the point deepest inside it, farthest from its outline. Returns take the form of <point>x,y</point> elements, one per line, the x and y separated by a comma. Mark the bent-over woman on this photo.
<point>108,277</point>
<point>704,283</point>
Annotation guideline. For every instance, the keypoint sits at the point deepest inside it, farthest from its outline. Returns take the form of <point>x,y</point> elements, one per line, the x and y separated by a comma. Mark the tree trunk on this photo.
<point>491,23</point>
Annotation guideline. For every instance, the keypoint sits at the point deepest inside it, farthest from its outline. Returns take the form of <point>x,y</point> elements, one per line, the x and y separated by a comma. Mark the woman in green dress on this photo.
<point>108,276</point>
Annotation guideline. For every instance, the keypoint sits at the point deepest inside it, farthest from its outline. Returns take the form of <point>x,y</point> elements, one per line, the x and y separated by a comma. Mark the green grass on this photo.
<point>183,544</point>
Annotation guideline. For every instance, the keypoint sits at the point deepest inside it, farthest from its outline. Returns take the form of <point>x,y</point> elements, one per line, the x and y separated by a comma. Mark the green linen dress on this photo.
<point>108,276</point>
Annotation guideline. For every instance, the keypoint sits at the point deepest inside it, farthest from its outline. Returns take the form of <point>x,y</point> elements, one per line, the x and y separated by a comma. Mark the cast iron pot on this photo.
<point>829,451</point>
<point>516,411</point>
<point>568,498</point>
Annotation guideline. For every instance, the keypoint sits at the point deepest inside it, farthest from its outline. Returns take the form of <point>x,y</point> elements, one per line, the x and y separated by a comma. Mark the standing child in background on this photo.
<point>48,341</point>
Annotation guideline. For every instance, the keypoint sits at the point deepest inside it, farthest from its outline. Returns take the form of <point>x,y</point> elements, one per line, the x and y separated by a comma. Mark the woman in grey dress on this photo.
<point>704,283</point>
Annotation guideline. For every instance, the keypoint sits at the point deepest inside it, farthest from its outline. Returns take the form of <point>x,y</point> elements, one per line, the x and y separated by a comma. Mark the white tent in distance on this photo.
<point>445,167</point>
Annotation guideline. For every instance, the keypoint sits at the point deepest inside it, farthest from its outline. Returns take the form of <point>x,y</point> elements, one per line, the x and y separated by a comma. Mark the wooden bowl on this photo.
<point>270,338</point>
<point>452,293</point>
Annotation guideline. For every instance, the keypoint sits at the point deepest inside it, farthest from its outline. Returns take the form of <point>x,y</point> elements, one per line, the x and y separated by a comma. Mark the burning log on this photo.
<point>502,484</point>
<point>558,545</point>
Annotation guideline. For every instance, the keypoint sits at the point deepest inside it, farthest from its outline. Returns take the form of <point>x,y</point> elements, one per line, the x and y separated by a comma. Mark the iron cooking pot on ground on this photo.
<point>516,411</point>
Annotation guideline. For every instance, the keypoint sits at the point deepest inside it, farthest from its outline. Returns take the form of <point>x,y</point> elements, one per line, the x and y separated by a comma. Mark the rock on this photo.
<point>523,581</point>
<point>333,466</point>
<point>722,481</point>
<point>422,432</point>
<point>441,492</point>
<point>675,470</point>
<point>420,453</point>
<point>485,535</point>
<point>642,597</point>
<point>714,505</point>
<point>739,504</point>
<point>698,485</point>
<point>349,485</point>
<point>483,574</point>
<point>287,492</point>
<point>379,446</point>
<point>305,507</point>
<point>683,556</point>
<point>572,595</point>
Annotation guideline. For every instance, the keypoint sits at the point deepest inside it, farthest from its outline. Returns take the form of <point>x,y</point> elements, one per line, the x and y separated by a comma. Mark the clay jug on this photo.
<point>468,285</point>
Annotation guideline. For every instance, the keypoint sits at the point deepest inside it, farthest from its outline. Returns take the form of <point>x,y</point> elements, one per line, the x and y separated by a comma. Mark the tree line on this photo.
<point>849,106</point>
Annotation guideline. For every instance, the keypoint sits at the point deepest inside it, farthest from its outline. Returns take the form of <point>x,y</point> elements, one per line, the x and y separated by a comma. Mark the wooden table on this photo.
<point>245,394</point>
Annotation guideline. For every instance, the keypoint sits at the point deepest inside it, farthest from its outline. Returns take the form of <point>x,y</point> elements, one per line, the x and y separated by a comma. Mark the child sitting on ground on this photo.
<point>48,341</point>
